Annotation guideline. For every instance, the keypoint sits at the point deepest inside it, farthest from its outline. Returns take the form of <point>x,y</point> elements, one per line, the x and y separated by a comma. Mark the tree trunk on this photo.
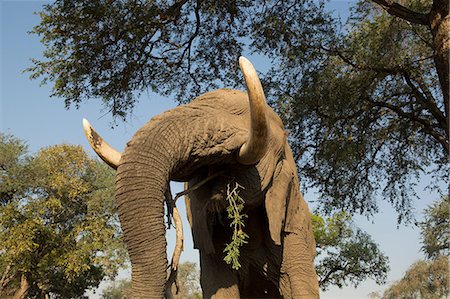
<point>23,290</point>
<point>440,29</point>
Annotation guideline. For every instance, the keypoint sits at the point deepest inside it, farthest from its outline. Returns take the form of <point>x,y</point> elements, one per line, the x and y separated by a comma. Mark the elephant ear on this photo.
<point>282,198</point>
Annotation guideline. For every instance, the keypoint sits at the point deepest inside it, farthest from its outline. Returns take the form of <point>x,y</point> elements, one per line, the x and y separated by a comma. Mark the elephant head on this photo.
<point>227,134</point>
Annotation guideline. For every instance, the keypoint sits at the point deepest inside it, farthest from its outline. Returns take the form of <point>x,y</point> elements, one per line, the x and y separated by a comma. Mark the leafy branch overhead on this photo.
<point>115,50</point>
<point>365,99</point>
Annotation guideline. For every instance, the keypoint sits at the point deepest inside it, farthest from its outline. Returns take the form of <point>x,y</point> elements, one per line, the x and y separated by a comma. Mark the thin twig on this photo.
<point>172,276</point>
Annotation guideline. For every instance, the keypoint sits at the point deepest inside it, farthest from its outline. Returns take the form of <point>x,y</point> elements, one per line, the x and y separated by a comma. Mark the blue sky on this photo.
<point>28,112</point>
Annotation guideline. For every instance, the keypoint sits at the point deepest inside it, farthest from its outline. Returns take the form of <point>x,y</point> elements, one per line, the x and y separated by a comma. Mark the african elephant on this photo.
<point>229,137</point>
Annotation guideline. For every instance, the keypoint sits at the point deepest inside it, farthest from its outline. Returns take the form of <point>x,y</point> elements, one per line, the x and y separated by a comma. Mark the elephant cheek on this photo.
<point>277,199</point>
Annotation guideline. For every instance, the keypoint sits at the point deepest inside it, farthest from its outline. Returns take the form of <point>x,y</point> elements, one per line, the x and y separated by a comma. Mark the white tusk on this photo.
<point>255,147</point>
<point>107,153</point>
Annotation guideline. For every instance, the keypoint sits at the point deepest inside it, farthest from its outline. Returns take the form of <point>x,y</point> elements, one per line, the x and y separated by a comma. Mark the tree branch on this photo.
<point>388,70</point>
<point>425,124</point>
<point>191,39</point>
<point>24,287</point>
<point>402,12</point>
<point>399,70</point>
<point>5,279</point>
<point>427,103</point>
<point>325,279</point>
<point>172,276</point>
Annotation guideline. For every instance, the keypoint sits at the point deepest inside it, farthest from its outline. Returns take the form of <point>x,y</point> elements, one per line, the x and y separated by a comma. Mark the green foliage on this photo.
<point>435,229</point>
<point>115,50</point>
<point>330,231</point>
<point>423,280</point>
<point>346,255</point>
<point>236,217</point>
<point>58,227</point>
<point>361,121</point>
<point>366,114</point>
<point>13,166</point>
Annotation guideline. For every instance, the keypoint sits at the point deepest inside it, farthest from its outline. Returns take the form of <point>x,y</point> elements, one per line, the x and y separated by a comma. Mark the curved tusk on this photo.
<point>107,153</point>
<point>254,148</point>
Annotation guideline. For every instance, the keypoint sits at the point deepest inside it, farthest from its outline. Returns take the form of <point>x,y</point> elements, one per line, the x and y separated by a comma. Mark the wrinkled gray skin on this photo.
<point>188,144</point>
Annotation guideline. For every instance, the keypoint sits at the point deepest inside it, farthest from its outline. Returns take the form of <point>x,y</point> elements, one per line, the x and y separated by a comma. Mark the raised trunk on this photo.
<point>141,183</point>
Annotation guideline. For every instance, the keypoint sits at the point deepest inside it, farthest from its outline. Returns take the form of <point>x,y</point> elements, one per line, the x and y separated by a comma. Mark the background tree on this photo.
<point>428,279</point>
<point>118,290</point>
<point>423,280</point>
<point>367,116</point>
<point>188,282</point>
<point>345,254</point>
<point>366,103</point>
<point>435,229</point>
<point>58,231</point>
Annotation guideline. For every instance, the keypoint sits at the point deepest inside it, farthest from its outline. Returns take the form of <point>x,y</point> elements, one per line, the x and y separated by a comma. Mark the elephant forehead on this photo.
<point>226,101</point>
<point>224,94</point>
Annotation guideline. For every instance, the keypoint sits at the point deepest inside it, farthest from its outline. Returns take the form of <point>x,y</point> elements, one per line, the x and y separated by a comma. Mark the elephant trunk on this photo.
<point>142,180</point>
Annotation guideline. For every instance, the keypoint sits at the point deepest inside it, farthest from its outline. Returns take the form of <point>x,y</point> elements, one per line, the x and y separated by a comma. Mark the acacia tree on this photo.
<point>428,279</point>
<point>59,234</point>
<point>120,289</point>
<point>435,229</point>
<point>188,281</point>
<point>423,280</point>
<point>367,116</point>
<point>367,106</point>
<point>345,254</point>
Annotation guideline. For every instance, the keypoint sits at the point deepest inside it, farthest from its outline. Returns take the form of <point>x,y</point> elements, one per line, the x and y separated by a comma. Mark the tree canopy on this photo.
<point>371,118</point>
<point>423,280</point>
<point>365,100</point>
<point>120,289</point>
<point>430,278</point>
<point>435,229</point>
<point>345,254</point>
<point>59,233</point>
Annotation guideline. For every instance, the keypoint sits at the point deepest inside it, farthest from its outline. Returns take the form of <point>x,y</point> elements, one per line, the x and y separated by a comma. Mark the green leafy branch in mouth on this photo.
<point>234,210</point>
